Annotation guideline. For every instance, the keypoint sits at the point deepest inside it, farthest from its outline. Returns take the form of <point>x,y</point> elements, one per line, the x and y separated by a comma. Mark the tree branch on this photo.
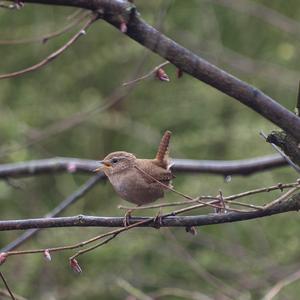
<point>71,165</point>
<point>291,204</point>
<point>53,55</point>
<point>46,37</point>
<point>7,287</point>
<point>187,61</point>
<point>264,13</point>
<point>88,185</point>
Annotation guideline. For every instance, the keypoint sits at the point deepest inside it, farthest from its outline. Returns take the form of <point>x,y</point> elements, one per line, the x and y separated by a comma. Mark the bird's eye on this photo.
<point>114,160</point>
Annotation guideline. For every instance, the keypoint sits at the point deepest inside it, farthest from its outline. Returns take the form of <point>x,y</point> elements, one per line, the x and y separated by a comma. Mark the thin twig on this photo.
<point>53,55</point>
<point>146,75</point>
<point>133,291</point>
<point>283,197</point>
<point>74,120</point>
<point>180,293</point>
<point>111,234</point>
<point>279,186</point>
<point>48,36</point>
<point>200,270</point>
<point>6,286</point>
<point>74,14</point>
<point>228,199</point>
<point>3,292</point>
<point>211,204</point>
<point>164,185</point>
<point>281,284</point>
<point>87,186</point>
<point>243,204</point>
<point>160,205</point>
<point>298,102</point>
<point>95,246</point>
<point>223,205</point>
<point>289,161</point>
<point>264,13</point>
<point>180,203</point>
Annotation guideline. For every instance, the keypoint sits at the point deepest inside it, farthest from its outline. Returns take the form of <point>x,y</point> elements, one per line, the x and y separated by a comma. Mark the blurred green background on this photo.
<point>229,261</point>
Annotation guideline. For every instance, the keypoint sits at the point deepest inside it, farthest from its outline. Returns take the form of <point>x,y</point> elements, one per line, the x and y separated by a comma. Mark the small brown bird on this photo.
<point>138,180</point>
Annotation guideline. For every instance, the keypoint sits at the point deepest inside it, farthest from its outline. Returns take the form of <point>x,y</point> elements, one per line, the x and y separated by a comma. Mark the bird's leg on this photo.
<point>158,219</point>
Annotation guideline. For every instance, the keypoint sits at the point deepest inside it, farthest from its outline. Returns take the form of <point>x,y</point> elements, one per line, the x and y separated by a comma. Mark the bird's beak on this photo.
<point>103,164</point>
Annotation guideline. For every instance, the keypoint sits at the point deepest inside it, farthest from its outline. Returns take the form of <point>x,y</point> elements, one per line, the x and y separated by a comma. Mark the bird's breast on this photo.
<point>134,188</point>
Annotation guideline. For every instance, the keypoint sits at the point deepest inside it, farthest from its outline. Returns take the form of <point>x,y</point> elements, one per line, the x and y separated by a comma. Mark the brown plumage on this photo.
<point>162,155</point>
<point>132,178</point>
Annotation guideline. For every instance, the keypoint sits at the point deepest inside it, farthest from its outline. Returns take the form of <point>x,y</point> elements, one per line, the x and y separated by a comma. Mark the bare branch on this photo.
<point>56,211</point>
<point>214,204</point>
<point>4,293</point>
<point>228,199</point>
<point>177,292</point>
<point>283,204</point>
<point>281,284</point>
<point>52,56</point>
<point>131,290</point>
<point>7,287</point>
<point>264,13</point>
<point>146,75</point>
<point>48,36</point>
<point>291,204</point>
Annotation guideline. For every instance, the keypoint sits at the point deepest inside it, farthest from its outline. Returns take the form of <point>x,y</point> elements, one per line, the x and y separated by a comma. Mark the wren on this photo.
<point>139,181</point>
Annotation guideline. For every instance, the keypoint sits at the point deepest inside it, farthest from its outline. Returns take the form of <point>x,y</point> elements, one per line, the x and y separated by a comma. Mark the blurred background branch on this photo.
<point>74,165</point>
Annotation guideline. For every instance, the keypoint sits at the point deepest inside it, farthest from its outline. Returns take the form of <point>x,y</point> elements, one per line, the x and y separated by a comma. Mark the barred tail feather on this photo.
<point>162,153</point>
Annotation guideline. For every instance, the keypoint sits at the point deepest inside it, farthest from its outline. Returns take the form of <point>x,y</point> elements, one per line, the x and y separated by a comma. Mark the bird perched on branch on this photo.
<point>139,181</point>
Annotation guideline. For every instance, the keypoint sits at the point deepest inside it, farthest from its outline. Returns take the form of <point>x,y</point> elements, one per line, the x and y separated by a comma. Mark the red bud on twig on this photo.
<point>3,257</point>
<point>162,75</point>
<point>47,255</point>
<point>75,266</point>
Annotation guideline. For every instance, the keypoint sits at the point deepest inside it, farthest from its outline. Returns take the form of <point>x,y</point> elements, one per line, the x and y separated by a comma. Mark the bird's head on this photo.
<point>116,162</point>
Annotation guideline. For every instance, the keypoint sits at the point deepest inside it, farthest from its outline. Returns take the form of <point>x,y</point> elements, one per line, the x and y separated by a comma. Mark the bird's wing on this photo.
<point>155,172</point>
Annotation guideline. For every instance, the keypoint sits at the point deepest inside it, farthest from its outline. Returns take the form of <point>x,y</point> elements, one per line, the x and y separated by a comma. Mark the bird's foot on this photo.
<point>126,220</point>
<point>18,4</point>
<point>191,229</point>
<point>158,220</point>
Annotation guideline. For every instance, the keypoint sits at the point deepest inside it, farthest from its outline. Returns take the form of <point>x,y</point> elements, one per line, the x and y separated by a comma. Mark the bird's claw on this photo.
<point>191,229</point>
<point>127,217</point>
<point>18,4</point>
<point>158,220</point>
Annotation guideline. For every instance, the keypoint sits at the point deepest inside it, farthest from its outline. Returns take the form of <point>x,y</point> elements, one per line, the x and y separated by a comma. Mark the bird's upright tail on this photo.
<point>162,155</point>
